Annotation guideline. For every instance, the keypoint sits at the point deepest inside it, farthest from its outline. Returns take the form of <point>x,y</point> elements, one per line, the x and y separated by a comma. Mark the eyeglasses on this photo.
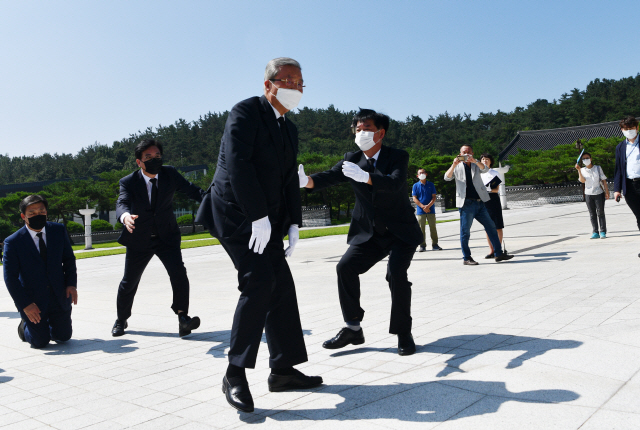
<point>290,82</point>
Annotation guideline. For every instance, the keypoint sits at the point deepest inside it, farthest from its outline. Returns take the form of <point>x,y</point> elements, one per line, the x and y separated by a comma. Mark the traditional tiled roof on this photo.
<point>547,139</point>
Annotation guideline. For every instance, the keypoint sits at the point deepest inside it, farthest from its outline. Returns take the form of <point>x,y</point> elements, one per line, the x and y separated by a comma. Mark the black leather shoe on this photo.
<point>503,257</point>
<point>21,330</point>
<point>406,345</point>
<point>186,324</point>
<point>470,262</point>
<point>488,256</point>
<point>436,247</point>
<point>291,382</point>
<point>238,395</point>
<point>345,337</point>
<point>118,328</point>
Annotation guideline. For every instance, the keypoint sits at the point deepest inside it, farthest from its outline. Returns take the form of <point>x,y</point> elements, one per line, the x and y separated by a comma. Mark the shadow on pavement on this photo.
<point>4,379</point>
<point>80,346</point>
<point>466,347</point>
<point>436,401</point>
<point>10,314</point>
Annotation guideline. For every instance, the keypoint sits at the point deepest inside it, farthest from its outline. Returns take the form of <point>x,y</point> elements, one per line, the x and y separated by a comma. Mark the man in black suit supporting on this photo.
<point>145,208</point>
<point>382,225</point>
<point>253,202</point>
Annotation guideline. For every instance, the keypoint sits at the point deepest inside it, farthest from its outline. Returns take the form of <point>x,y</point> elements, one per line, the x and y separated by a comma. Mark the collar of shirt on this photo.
<point>275,111</point>
<point>147,180</point>
<point>35,238</point>
<point>375,156</point>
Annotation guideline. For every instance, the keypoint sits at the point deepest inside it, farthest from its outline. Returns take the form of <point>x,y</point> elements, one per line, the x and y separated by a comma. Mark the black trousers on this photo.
<point>136,261</point>
<point>632,197</point>
<point>359,259</point>
<point>55,323</point>
<point>267,302</point>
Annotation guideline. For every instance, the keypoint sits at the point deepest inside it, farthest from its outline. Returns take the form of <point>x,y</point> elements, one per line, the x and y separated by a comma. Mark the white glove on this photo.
<point>294,236</point>
<point>260,234</point>
<point>302,177</point>
<point>353,171</point>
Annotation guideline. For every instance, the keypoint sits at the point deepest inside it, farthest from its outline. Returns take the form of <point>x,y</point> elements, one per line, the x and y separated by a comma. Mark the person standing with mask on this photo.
<point>251,205</point>
<point>40,274</point>
<point>626,178</point>
<point>383,224</point>
<point>145,208</point>
<point>596,191</point>
<point>424,196</point>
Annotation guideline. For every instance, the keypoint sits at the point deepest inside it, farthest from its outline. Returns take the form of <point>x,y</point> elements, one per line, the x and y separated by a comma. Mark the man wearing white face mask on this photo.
<point>382,225</point>
<point>626,179</point>
<point>253,202</point>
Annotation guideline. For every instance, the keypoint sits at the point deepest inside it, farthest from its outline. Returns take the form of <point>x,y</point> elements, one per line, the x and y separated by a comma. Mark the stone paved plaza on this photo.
<point>548,340</point>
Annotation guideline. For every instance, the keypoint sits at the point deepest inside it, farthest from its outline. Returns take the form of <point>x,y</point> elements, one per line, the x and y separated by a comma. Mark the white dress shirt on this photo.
<point>633,159</point>
<point>375,156</point>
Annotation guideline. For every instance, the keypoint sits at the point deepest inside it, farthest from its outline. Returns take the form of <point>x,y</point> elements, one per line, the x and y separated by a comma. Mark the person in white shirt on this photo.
<point>596,191</point>
<point>494,207</point>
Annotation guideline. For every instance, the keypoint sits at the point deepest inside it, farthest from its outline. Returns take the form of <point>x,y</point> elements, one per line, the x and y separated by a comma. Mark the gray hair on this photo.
<point>273,66</point>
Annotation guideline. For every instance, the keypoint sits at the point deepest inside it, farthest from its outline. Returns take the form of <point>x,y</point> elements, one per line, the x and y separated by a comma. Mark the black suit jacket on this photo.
<point>134,199</point>
<point>620,174</point>
<point>254,177</point>
<point>387,197</point>
<point>27,276</point>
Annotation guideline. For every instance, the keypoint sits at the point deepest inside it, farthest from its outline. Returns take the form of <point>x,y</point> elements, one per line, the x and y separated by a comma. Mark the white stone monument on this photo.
<point>87,226</point>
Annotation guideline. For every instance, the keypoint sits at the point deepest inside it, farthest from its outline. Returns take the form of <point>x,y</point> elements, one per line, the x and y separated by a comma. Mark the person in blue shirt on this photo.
<point>424,196</point>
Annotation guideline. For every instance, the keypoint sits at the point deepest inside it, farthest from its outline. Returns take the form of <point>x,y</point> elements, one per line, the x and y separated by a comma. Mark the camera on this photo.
<point>462,158</point>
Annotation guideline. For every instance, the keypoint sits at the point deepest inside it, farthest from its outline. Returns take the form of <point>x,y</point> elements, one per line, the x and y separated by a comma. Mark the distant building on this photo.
<point>548,139</point>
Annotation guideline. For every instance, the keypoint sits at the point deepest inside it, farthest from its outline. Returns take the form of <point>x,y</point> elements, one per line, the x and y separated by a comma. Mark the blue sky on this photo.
<point>79,72</point>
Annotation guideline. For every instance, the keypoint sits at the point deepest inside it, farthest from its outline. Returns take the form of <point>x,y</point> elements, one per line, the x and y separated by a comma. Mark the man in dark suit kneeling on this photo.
<point>145,208</point>
<point>40,274</point>
<point>254,202</point>
<point>382,225</point>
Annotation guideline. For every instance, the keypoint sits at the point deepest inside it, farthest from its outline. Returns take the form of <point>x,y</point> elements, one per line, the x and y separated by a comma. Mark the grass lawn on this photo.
<point>204,239</point>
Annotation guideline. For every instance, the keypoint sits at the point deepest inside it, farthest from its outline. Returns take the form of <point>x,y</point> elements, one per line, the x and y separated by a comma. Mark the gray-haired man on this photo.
<point>254,202</point>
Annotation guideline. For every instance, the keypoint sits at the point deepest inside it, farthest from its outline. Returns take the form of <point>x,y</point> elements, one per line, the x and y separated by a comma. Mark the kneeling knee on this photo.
<point>39,344</point>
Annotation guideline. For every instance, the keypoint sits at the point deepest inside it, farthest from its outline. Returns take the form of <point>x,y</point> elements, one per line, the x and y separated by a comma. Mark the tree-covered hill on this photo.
<point>326,131</point>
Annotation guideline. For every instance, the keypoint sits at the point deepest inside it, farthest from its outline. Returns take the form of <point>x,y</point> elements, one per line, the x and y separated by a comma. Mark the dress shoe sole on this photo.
<point>355,342</point>
<point>294,387</point>
<point>224,390</point>
<point>407,352</point>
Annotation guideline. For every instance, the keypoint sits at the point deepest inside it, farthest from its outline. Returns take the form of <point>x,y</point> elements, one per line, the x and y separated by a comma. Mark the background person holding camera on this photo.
<point>471,194</point>
<point>596,192</point>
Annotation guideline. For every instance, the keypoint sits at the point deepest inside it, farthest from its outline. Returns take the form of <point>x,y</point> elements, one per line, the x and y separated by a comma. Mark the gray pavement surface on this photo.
<point>548,340</point>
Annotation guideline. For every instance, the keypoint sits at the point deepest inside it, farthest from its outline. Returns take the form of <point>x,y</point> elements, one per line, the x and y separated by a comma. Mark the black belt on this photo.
<point>154,236</point>
<point>634,179</point>
<point>475,200</point>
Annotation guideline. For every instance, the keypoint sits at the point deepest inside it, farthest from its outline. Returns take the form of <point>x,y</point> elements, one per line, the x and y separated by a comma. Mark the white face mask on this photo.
<point>364,139</point>
<point>586,161</point>
<point>630,134</point>
<point>422,177</point>
<point>288,98</point>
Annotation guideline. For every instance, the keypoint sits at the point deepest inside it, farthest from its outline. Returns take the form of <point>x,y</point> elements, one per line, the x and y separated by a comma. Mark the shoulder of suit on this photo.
<point>129,177</point>
<point>250,102</point>
<point>54,226</point>
<point>396,151</point>
<point>22,230</point>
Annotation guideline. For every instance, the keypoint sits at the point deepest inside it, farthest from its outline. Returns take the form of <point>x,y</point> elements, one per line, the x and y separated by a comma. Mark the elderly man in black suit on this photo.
<point>145,208</point>
<point>382,225</point>
<point>254,201</point>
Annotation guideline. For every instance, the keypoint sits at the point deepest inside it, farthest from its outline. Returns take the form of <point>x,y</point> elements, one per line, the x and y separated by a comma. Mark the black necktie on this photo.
<point>42,246</point>
<point>154,193</point>
<point>372,167</point>
<point>285,132</point>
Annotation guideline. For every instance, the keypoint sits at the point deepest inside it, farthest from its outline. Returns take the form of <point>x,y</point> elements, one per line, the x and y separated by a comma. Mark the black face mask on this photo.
<point>153,165</point>
<point>37,222</point>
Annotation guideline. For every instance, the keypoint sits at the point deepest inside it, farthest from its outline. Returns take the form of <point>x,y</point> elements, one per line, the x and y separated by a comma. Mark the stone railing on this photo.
<point>315,216</point>
<point>112,236</point>
<point>537,195</point>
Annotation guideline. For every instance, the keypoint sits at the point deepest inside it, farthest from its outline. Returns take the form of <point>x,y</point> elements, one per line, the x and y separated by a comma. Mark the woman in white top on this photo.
<point>494,207</point>
<point>596,192</point>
